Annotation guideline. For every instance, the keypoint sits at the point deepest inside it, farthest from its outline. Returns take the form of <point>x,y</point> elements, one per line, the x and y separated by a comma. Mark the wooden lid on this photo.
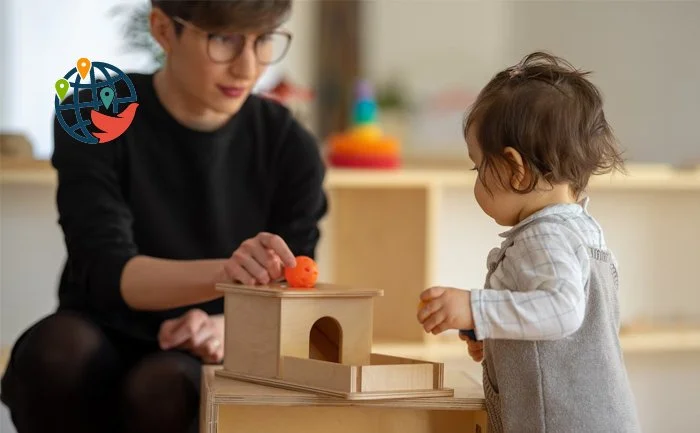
<point>281,290</point>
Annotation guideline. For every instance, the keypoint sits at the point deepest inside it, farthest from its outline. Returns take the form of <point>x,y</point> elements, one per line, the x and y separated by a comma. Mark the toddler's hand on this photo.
<point>445,308</point>
<point>475,348</point>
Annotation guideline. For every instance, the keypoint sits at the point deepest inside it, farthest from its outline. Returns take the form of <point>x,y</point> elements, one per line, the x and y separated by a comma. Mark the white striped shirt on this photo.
<point>537,291</point>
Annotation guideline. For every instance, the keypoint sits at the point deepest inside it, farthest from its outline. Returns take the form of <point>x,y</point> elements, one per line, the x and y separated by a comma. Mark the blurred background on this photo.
<point>426,60</point>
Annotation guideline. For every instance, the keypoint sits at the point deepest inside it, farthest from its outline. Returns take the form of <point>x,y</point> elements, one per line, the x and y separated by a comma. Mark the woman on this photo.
<point>209,184</point>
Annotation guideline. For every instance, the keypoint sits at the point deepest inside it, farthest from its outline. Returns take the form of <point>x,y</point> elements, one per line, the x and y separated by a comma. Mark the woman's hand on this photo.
<point>259,260</point>
<point>196,332</point>
<point>475,348</point>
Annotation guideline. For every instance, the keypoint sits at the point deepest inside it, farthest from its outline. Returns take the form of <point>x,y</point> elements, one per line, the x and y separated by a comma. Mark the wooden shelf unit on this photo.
<point>635,340</point>
<point>384,230</point>
<point>419,174</point>
<point>26,172</point>
<point>383,227</point>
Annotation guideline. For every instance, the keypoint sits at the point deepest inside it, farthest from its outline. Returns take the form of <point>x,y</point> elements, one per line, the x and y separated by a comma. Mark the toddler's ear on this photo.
<point>519,176</point>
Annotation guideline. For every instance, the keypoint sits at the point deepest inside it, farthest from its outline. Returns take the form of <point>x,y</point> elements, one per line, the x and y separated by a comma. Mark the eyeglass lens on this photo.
<point>269,47</point>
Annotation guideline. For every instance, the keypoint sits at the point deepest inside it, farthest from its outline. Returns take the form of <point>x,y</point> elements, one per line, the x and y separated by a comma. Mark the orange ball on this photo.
<point>303,275</point>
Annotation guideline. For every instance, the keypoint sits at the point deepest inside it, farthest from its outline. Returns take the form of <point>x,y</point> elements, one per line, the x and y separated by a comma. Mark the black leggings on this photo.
<point>66,374</point>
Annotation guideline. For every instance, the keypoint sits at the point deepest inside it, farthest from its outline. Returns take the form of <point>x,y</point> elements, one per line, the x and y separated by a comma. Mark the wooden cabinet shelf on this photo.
<point>638,341</point>
<point>26,172</point>
<point>414,174</point>
<point>384,228</point>
<point>383,232</point>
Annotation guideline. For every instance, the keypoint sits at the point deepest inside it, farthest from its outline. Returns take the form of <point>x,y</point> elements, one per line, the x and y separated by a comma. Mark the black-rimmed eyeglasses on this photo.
<point>269,47</point>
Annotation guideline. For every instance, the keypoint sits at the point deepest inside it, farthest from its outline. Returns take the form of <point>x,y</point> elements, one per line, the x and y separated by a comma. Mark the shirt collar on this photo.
<point>555,209</point>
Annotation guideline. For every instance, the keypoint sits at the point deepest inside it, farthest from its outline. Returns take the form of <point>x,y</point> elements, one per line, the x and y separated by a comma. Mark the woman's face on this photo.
<point>221,86</point>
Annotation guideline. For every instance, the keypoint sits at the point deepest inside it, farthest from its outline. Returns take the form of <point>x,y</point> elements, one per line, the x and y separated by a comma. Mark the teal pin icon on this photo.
<point>62,86</point>
<point>107,94</point>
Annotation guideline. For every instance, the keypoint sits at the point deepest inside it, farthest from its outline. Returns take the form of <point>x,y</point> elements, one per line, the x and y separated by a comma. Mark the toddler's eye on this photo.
<point>475,168</point>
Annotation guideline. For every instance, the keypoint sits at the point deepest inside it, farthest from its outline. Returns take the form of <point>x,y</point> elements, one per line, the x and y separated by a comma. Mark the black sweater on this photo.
<point>167,191</point>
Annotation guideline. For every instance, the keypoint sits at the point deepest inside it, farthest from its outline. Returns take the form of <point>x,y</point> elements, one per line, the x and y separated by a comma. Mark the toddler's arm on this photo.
<point>542,280</point>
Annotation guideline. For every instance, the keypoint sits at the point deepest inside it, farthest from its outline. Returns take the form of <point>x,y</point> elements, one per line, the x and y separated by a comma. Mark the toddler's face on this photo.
<point>501,204</point>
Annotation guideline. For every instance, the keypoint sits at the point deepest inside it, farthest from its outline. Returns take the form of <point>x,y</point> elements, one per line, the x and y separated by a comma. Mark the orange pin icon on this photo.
<point>83,67</point>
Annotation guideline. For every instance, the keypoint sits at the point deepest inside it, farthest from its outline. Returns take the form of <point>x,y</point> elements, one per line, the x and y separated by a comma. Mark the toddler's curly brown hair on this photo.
<point>552,115</point>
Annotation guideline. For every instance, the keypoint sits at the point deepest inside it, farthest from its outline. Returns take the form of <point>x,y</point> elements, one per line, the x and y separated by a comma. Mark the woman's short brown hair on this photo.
<point>222,15</point>
<point>552,115</point>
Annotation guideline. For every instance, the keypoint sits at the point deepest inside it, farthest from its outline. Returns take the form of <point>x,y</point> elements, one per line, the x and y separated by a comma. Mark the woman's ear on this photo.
<point>161,28</point>
<point>515,161</point>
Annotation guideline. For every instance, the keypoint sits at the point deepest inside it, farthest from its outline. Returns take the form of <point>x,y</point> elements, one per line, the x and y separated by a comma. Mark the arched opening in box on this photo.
<point>325,340</point>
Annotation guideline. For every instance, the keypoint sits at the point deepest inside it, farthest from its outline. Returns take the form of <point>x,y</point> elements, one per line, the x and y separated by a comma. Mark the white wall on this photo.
<point>431,45</point>
<point>5,53</point>
<point>643,54</point>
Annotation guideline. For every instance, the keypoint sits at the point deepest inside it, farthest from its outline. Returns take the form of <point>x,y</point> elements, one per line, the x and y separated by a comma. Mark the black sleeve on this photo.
<point>299,202</point>
<point>94,217</point>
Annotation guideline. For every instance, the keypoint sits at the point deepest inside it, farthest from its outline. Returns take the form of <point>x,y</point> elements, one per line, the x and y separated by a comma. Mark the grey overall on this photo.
<point>573,385</point>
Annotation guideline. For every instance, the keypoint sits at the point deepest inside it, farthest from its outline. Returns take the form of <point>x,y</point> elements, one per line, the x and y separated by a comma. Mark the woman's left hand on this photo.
<point>196,332</point>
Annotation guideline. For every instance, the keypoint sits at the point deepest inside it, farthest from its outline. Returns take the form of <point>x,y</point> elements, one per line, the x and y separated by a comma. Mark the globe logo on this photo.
<point>93,114</point>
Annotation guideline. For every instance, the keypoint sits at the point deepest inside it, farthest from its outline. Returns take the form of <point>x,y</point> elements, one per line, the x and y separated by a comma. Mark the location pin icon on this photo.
<point>107,94</point>
<point>62,86</point>
<point>83,66</point>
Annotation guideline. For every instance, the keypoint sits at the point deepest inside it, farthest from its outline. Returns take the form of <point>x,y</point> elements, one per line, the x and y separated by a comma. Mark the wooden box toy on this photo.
<point>317,340</point>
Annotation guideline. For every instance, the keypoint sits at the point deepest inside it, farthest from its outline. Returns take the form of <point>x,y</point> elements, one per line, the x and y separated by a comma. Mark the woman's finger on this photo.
<point>279,246</point>
<point>189,325</point>
<point>274,267</point>
<point>245,257</point>
<point>268,259</point>
<point>211,351</point>
<point>165,332</point>
<point>236,272</point>
<point>204,334</point>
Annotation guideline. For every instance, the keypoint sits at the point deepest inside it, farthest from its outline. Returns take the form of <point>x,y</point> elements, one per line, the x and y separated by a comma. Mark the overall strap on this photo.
<point>593,252</point>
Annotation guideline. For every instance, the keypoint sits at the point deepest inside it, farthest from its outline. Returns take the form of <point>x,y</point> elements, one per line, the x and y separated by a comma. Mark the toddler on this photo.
<point>547,321</point>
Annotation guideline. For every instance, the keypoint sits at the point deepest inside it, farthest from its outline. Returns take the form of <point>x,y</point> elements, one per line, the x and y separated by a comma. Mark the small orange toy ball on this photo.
<point>303,275</point>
